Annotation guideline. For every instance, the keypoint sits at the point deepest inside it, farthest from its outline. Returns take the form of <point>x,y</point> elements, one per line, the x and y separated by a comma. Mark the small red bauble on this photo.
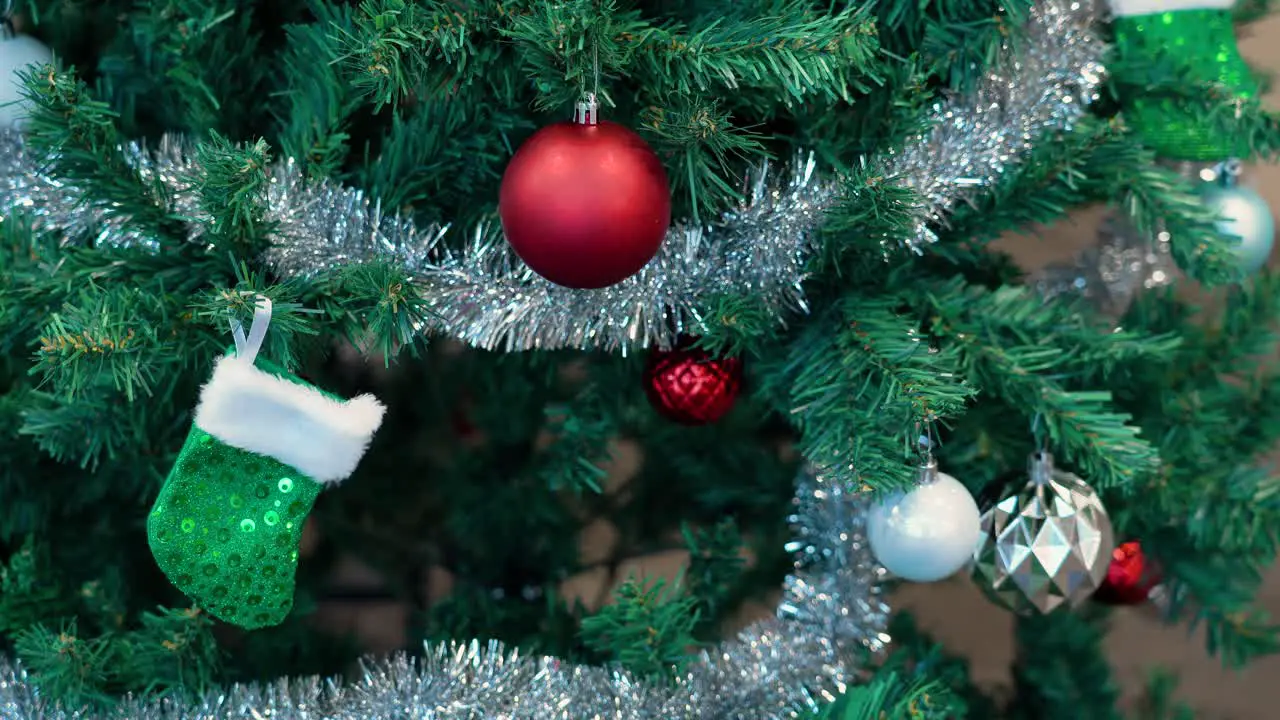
<point>585,204</point>
<point>1130,577</point>
<point>690,386</point>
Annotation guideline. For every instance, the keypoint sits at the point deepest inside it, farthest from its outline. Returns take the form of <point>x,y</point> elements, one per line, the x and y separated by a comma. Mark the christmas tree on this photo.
<point>443,286</point>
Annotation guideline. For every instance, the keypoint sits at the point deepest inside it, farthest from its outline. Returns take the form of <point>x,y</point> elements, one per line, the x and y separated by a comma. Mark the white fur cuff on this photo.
<point>1128,8</point>
<point>247,408</point>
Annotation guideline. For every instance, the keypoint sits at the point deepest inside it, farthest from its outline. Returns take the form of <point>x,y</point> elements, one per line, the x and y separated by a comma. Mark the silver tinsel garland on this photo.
<point>832,608</point>
<point>831,612</point>
<point>1124,262</point>
<point>1111,274</point>
<point>486,297</point>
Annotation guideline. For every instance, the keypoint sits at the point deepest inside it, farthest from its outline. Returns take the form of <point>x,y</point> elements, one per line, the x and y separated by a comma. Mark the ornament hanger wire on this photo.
<point>1038,433</point>
<point>589,107</point>
<point>1040,465</point>
<point>6,21</point>
<point>925,441</point>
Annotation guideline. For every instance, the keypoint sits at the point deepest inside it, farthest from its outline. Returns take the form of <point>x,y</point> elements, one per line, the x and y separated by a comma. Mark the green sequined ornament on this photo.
<point>227,525</point>
<point>1203,42</point>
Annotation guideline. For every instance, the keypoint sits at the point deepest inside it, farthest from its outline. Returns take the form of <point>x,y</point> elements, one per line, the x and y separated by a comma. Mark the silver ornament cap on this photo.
<point>1045,546</point>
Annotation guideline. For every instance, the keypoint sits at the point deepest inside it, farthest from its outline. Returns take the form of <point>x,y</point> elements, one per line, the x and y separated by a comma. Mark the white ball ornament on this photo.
<point>1244,215</point>
<point>18,53</point>
<point>927,533</point>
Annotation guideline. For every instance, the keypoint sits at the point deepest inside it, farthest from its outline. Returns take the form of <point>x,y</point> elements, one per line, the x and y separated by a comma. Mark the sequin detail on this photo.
<point>1203,44</point>
<point>226,528</point>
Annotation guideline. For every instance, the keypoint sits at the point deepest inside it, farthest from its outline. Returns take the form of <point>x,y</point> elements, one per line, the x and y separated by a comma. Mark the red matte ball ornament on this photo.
<point>585,204</point>
<point>1130,577</point>
<point>690,387</point>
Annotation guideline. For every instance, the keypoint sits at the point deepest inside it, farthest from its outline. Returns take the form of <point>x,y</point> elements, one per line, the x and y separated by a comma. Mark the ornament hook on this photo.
<point>247,348</point>
<point>1225,174</point>
<point>1232,170</point>
<point>1040,467</point>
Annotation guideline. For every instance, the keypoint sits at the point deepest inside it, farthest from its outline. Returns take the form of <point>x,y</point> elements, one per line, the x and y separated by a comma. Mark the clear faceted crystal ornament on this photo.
<point>1046,545</point>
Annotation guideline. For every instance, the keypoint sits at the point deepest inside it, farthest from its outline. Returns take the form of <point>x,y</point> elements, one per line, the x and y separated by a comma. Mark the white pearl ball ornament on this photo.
<point>928,533</point>
<point>18,53</point>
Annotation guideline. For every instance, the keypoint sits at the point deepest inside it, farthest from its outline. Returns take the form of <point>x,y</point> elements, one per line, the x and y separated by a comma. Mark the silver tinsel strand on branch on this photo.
<point>486,297</point>
<point>1124,262</point>
<point>832,611</point>
<point>1041,82</point>
<point>1110,275</point>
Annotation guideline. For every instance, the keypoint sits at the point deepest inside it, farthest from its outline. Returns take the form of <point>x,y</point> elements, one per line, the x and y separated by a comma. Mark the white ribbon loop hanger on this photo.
<point>247,348</point>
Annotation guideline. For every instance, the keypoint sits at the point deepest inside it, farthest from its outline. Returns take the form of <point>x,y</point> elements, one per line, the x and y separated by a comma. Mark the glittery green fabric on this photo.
<point>227,526</point>
<point>1205,41</point>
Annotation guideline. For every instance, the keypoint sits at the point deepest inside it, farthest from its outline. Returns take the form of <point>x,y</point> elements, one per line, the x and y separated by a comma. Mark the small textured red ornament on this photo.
<point>1130,577</point>
<point>585,204</point>
<point>691,387</point>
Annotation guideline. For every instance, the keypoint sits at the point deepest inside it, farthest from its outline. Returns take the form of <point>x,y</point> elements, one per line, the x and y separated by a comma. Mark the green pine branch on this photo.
<point>716,566</point>
<point>77,136</point>
<point>793,51</point>
<point>106,339</point>
<point>647,629</point>
<point>30,591</point>
<point>1061,670</point>
<point>1245,334</point>
<point>394,50</point>
<point>1159,200</point>
<point>887,695</point>
<point>703,149</point>
<point>293,328</point>
<point>919,655</point>
<point>1062,172</point>
<point>67,666</point>
<point>317,109</point>
<point>736,325</point>
<point>581,430</point>
<point>862,384</point>
<point>873,215</point>
<point>199,60</point>
<point>956,42</point>
<point>170,652</point>
<point>378,307</point>
<point>1158,701</point>
<point>1223,589</point>
<point>232,188</point>
<point>1023,350</point>
<point>89,431</point>
<point>433,163</point>
<point>1209,515</point>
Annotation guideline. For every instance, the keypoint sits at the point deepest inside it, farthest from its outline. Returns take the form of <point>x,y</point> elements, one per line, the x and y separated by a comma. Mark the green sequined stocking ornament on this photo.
<point>1198,35</point>
<point>227,524</point>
